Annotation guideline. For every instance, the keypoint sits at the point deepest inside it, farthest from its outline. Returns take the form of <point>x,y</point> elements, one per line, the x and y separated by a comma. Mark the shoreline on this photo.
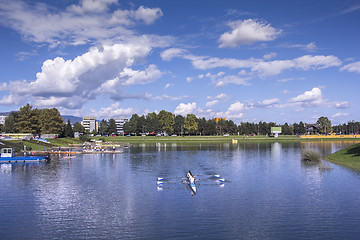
<point>347,157</point>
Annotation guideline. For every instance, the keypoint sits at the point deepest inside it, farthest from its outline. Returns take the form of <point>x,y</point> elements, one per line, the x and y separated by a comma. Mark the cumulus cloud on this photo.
<point>235,111</point>
<point>247,32</point>
<point>88,22</point>
<point>71,83</point>
<point>352,67</point>
<point>309,98</point>
<point>212,103</point>
<point>185,108</point>
<point>269,56</point>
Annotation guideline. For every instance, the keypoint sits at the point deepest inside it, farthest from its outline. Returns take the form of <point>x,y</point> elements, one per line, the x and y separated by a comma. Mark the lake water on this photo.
<point>268,194</point>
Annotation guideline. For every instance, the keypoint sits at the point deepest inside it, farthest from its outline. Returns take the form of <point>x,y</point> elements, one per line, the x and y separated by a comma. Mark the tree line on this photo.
<point>169,123</point>
<point>48,121</point>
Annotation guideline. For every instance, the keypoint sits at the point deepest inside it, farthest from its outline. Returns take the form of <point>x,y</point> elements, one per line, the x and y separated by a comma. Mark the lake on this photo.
<point>268,193</point>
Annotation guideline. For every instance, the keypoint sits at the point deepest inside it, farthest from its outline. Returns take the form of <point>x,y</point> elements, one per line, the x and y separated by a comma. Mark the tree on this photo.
<point>167,121</point>
<point>28,120</point>
<point>190,124</point>
<point>112,126</point>
<point>78,128</point>
<point>152,123</point>
<point>50,121</point>
<point>210,127</point>
<point>9,126</point>
<point>324,125</point>
<point>232,128</point>
<point>201,125</point>
<point>286,129</point>
<point>68,132</point>
<point>179,124</point>
<point>131,125</point>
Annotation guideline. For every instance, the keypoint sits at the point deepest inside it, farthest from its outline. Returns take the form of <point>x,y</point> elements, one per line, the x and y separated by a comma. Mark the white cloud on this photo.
<point>247,32</point>
<point>71,83</point>
<point>309,98</point>
<point>113,111</point>
<point>311,46</point>
<point>342,105</point>
<point>170,53</point>
<point>168,85</point>
<point>340,115</point>
<point>185,108</point>
<point>268,103</point>
<point>220,79</point>
<point>212,103</point>
<point>269,56</point>
<point>352,67</point>
<point>132,77</point>
<point>235,111</point>
<point>269,68</point>
<point>89,22</point>
<point>148,15</point>
<point>167,97</point>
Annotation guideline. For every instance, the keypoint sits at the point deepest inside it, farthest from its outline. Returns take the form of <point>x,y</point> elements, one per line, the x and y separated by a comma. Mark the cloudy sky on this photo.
<point>280,61</point>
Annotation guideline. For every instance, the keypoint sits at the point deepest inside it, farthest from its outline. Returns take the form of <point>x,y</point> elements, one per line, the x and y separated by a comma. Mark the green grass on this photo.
<point>63,142</point>
<point>348,157</point>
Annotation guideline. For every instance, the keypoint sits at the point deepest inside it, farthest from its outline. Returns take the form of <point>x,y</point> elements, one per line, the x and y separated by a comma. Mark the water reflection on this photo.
<point>269,194</point>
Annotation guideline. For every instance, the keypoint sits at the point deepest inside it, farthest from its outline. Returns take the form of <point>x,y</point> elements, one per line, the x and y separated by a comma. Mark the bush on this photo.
<point>310,156</point>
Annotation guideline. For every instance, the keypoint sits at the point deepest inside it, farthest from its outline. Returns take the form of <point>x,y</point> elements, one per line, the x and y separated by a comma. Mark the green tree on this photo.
<point>9,126</point>
<point>68,131</point>
<point>104,127</point>
<point>179,124</point>
<point>112,126</point>
<point>78,128</point>
<point>131,126</point>
<point>51,121</point>
<point>28,120</point>
<point>201,125</point>
<point>232,128</point>
<point>210,127</point>
<point>167,121</point>
<point>286,129</point>
<point>152,123</point>
<point>324,125</point>
<point>190,124</point>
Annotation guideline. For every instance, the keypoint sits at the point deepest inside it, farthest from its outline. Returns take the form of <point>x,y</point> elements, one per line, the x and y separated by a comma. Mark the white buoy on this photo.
<point>221,180</point>
<point>159,183</point>
<point>217,176</point>
<point>160,178</point>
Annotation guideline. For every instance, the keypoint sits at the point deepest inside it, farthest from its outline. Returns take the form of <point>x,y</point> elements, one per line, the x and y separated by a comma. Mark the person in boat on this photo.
<point>191,177</point>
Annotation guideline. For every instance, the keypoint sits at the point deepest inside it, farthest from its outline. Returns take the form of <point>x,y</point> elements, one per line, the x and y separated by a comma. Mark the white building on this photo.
<point>120,121</point>
<point>90,124</point>
<point>2,119</point>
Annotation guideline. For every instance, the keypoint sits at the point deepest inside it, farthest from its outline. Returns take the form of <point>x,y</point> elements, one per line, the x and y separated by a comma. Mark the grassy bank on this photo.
<point>348,157</point>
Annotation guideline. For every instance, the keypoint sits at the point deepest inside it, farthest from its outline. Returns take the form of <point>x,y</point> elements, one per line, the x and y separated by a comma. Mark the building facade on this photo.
<point>120,121</point>
<point>90,124</point>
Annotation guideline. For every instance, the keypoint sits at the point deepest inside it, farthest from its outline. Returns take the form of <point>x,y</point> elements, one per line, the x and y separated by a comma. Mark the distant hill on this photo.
<point>73,119</point>
<point>4,113</point>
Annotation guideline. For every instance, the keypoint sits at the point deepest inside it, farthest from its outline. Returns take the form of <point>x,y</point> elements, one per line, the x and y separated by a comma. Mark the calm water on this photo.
<point>268,194</point>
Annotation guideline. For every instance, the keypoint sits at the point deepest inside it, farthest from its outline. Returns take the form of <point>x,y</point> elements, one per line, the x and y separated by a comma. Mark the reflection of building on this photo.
<point>120,121</point>
<point>2,119</point>
<point>90,124</point>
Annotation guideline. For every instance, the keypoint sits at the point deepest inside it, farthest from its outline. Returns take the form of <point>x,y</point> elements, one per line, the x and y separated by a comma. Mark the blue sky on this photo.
<point>279,61</point>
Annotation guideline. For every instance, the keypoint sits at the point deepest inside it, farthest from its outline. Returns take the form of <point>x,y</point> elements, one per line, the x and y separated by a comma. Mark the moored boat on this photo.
<point>8,156</point>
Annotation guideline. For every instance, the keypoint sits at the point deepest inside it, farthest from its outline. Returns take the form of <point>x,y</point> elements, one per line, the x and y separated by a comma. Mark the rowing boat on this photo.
<point>191,180</point>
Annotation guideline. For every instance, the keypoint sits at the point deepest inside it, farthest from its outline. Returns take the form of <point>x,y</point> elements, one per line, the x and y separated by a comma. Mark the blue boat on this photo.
<point>8,156</point>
